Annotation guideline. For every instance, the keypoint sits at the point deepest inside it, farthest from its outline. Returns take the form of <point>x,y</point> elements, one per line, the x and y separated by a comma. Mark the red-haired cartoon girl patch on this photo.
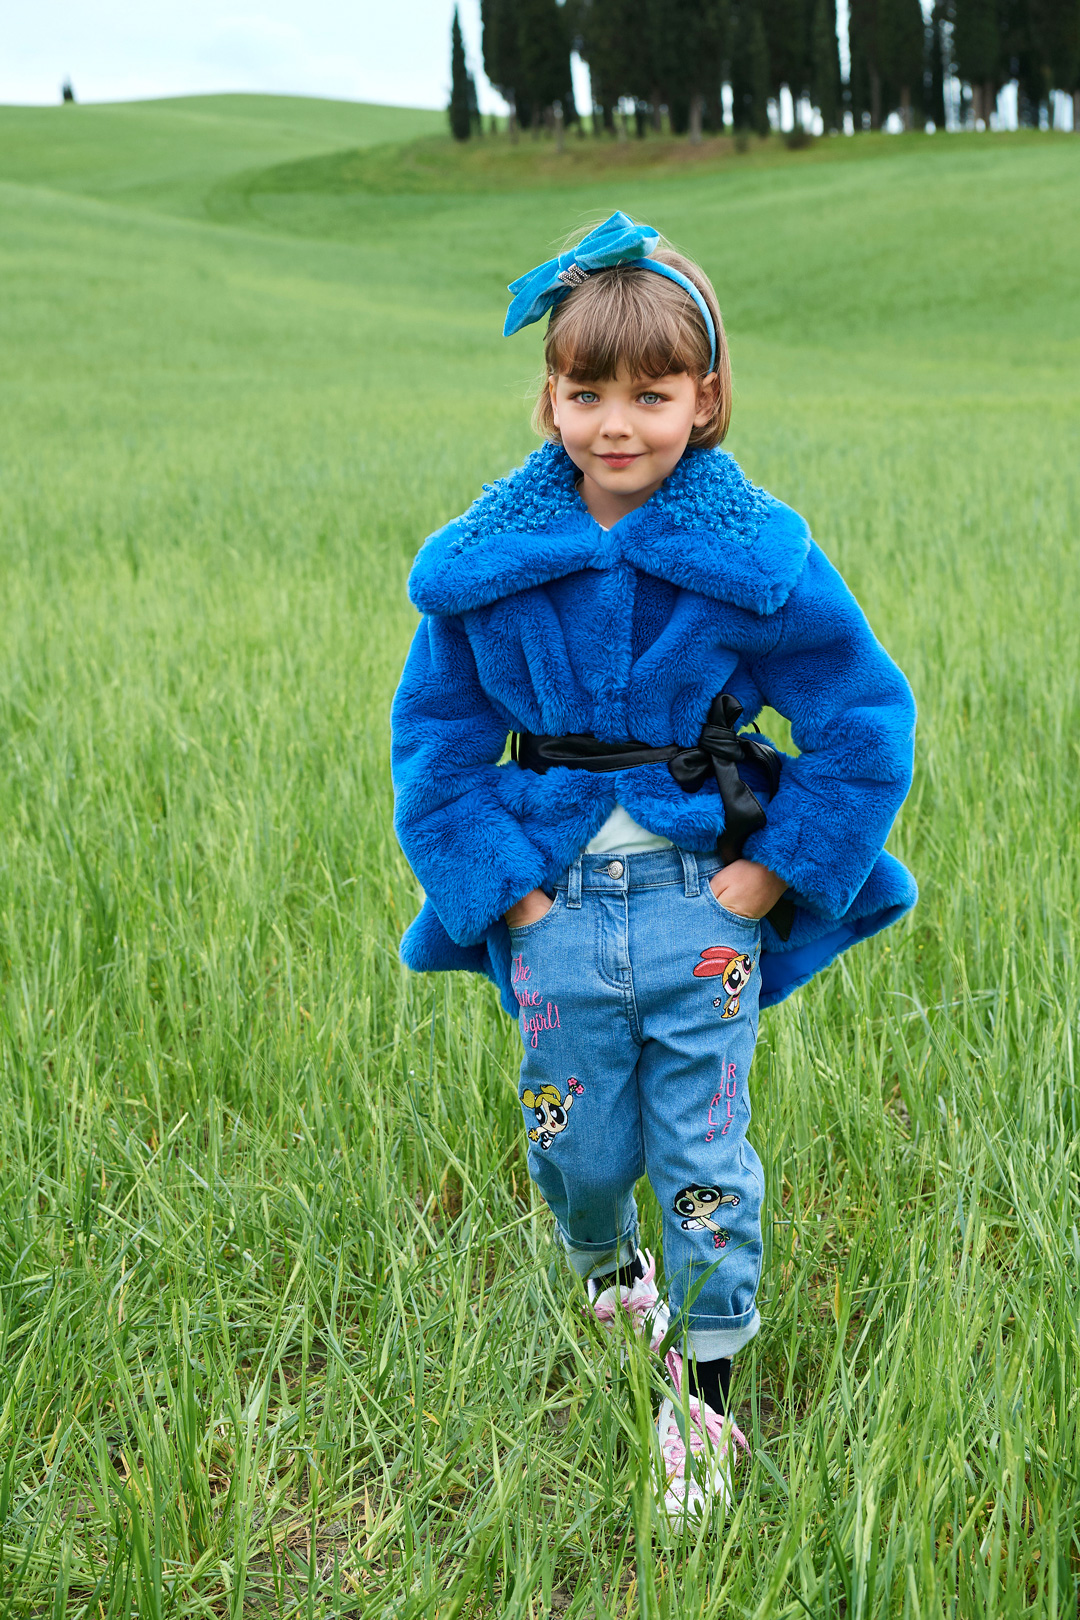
<point>733,969</point>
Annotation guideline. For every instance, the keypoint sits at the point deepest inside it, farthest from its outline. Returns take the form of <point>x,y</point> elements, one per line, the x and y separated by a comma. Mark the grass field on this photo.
<point>282,1330</point>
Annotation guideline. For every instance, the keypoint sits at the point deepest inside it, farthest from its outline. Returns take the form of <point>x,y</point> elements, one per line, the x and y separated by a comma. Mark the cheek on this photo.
<point>668,433</point>
<point>577,437</point>
<point>575,428</point>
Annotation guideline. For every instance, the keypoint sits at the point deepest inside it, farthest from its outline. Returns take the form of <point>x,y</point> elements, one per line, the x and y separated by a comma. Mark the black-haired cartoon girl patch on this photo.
<point>696,1203</point>
<point>733,968</point>
<point>552,1110</point>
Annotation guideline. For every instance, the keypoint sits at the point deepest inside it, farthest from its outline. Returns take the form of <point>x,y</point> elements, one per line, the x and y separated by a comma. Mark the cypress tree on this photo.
<point>825,65</point>
<point>597,44</point>
<point>938,65</point>
<point>705,44</point>
<point>1068,64</point>
<point>617,41</point>
<point>461,108</point>
<point>1058,23</point>
<point>683,60</point>
<point>663,75</point>
<point>749,68</point>
<point>865,83</point>
<point>787,33</point>
<point>977,44</point>
<point>543,46</point>
<point>888,45</point>
<point>502,59</point>
<point>1053,52</point>
<point>590,43</point>
<point>1024,58</point>
<point>902,45</point>
<point>641,52</point>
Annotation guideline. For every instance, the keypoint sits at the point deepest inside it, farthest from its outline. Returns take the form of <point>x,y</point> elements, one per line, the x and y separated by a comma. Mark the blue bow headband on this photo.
<point>617,241</point>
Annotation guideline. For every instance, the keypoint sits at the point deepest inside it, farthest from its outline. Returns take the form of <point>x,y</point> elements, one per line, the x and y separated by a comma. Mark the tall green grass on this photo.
<point>282,1329</point>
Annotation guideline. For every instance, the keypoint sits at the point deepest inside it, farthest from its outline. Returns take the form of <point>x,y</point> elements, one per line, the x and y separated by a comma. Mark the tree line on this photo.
<point>674,58</point>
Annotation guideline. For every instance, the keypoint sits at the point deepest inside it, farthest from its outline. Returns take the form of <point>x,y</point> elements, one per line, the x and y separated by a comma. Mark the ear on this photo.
<point>552,382</point>
<point>708,397</point>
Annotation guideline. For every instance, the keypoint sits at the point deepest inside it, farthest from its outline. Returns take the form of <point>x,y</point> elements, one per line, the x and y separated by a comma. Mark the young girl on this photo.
<point>640,877</point>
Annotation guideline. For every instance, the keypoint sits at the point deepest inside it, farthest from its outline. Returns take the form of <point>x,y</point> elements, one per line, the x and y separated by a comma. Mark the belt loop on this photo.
<point>573,885</point>
<point>691,877</point>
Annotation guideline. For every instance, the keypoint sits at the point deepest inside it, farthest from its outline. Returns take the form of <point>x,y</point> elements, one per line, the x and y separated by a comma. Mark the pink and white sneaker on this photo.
<point>648,1313</point>
<point>713,1443</point>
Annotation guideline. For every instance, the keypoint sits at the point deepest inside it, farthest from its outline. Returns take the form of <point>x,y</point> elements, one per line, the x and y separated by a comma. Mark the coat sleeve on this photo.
<point>853,719</point>
<point>462,820</point>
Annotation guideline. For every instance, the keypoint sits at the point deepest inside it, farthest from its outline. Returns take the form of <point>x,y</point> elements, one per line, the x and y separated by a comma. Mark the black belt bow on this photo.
<point>720,750</point>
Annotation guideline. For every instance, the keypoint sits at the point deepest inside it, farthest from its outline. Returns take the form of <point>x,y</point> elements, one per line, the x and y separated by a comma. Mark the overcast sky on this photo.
<point>394,51</point>
<point>117,50</point>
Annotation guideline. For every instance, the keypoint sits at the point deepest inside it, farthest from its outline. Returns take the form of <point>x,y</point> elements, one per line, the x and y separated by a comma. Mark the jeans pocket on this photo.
<point>751,924</point>
<point>527,930</point>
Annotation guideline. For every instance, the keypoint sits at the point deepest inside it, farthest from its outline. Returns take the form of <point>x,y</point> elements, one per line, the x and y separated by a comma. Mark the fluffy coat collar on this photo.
<point>707,529</point>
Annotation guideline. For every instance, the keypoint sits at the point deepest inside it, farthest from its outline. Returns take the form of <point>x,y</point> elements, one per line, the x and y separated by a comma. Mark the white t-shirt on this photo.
<point>621,834</point>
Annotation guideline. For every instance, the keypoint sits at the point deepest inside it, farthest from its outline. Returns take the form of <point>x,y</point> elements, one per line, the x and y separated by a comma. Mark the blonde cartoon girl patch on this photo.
<point>552,1110</point>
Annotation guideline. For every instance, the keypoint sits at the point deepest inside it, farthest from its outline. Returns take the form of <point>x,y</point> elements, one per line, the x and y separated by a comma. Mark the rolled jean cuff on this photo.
<point>712,1343</point>
<point>600,1259</point>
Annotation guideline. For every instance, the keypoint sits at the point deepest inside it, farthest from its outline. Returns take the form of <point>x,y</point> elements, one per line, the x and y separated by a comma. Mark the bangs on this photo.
<point>632,320</point>
<point>627,318</point>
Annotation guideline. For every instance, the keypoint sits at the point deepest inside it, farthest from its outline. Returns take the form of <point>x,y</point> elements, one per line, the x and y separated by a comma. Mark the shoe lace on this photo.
<point>639,1301</point>
<point>706,1426</point>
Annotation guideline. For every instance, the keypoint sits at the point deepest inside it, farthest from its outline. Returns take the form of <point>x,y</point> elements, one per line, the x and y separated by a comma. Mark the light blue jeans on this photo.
<point>638,996</point>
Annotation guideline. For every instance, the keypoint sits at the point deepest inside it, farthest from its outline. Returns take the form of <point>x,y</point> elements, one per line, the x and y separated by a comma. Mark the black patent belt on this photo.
<point>719,752</point>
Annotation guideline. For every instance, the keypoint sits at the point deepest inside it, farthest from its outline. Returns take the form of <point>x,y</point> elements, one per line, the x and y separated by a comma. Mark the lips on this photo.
<point>619,461</point>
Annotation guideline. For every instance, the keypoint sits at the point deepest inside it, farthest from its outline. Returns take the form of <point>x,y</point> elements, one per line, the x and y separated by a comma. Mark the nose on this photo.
<point>615,425</point>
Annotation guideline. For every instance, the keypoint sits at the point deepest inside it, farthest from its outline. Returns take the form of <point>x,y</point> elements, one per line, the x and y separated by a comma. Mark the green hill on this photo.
<point>164,154</point>
<point>893,236</point>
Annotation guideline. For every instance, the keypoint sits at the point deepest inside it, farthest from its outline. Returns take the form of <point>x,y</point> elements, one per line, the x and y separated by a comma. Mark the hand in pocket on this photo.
<point>747,888</point>
<point>529,909</point>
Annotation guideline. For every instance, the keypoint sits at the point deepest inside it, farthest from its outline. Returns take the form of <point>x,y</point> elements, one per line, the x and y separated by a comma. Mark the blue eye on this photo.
<point>585,397</point>
<point>651,398</point>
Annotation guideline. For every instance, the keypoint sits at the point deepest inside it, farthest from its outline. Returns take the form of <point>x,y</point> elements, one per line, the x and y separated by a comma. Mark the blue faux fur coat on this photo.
<point>535,619</point>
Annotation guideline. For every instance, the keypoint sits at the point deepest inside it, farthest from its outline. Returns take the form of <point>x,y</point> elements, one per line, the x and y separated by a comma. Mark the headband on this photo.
<point>617,241</point>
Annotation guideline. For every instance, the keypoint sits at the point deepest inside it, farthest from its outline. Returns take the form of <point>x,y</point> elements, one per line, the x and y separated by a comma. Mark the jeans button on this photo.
<point>615,869</point>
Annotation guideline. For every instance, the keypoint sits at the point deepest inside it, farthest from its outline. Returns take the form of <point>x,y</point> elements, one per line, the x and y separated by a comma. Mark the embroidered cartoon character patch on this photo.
<point>733,969</point>
<point>696,1204</point>
<point>551,1109</point>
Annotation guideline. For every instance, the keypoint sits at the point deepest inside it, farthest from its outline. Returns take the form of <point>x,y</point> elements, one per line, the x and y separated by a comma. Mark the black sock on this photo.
<point>710,1381</point>
<point>629,1274</point>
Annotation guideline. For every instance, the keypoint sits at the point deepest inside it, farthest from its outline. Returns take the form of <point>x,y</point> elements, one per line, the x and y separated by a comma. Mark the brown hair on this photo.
<point>634,318</point>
